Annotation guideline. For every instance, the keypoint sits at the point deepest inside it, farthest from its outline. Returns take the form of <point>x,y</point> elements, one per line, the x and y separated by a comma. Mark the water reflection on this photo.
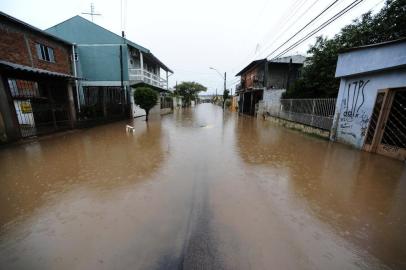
<point>50,185</point>
<point>358,194</point>
<point>197,188</point>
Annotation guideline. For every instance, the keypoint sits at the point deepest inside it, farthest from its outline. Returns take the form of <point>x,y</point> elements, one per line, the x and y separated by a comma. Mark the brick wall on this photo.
<point>249,76</point>
<point>17,45</point>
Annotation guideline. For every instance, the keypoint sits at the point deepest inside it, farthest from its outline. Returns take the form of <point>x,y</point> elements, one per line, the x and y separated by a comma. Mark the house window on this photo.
<point>45,53</point>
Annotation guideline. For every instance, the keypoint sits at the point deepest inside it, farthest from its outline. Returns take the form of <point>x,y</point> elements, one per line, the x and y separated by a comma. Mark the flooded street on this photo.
<point>199,189</point>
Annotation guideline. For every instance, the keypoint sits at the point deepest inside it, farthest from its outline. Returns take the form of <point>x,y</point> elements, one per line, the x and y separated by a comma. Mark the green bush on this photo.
<point>146,98</point>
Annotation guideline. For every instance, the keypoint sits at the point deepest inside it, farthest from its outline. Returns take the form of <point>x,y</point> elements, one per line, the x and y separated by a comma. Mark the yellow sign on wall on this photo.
<point>26,107</point>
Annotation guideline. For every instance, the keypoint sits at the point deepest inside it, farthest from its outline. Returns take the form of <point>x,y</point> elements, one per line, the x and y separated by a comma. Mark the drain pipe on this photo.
<point>122,71</point>
<point>75,74</point>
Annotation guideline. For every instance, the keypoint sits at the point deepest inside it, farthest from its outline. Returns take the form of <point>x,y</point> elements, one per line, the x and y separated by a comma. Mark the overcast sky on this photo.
<point>190,36</point>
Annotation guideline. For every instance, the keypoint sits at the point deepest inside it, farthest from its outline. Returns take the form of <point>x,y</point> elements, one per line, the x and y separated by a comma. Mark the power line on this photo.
<point>290,26</point>
<point>322,26</point>
<point>327,8</point>
<point>283,24</point>
<point>295,7</point>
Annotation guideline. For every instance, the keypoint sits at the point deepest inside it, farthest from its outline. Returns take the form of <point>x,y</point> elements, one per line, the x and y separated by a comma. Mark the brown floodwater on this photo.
<point>199,189</point>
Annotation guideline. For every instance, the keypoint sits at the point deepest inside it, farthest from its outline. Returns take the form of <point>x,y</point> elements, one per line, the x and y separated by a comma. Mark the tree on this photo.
<point>225,96</point>
<point>146,98</point>
<point>318,75</point>
<point>189,91</point>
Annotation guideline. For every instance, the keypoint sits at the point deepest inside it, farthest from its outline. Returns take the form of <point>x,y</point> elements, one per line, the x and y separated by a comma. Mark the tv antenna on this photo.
<point>91,13</point>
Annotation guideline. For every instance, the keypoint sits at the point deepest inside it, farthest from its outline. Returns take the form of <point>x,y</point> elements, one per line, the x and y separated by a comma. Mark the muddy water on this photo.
<point>199,189</point>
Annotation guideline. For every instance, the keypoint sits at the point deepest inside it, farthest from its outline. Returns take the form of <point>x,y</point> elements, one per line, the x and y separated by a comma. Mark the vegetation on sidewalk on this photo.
<point>318,80</point>
<point>146,98</point>
<point>189,91</point>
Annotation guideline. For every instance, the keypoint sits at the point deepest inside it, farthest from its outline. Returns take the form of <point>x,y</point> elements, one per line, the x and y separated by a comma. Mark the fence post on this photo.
<point>313,106</point>
<point>290,109</point>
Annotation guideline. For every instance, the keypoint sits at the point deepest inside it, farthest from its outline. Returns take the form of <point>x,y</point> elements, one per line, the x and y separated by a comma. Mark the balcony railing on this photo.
<point>139,75</point>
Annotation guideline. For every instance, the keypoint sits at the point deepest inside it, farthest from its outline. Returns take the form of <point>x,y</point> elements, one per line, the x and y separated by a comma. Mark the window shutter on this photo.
<point>39,54</point>
<point>51,54</point>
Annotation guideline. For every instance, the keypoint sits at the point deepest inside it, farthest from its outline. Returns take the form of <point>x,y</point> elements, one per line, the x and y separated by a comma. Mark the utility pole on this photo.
<point>225,78</point>
<point>91,13</point>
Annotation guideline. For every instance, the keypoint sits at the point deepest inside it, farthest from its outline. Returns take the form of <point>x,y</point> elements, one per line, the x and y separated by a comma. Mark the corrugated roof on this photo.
<point>33,28</point>
<point>373,45</point>
<point>296,59</point>
<point>77,21</point>
<point>250,65</point>
<point>19,67</point>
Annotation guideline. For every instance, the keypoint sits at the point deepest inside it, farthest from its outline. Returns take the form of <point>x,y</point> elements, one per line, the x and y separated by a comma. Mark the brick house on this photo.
<point>266,80</point>
<point>36,93</point>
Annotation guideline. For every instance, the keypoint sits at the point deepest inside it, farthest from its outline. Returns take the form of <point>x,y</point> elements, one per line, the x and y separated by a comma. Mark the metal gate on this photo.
<point>40,107</point>
<point>387,128</point>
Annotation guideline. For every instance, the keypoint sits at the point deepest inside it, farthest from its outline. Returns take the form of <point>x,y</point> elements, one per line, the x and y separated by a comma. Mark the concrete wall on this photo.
<point>355,103</point>
<point>271,100</point>
<point>177,102</point>
<point>372,59</point>
<point>298,126</point>
<point>273,96</point>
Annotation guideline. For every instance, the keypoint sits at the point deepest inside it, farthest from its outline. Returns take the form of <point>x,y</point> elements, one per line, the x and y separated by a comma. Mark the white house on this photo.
<point>371,104</point>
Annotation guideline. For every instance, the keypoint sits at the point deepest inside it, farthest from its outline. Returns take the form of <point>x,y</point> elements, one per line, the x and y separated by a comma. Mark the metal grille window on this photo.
<point>23,88</point>
<point>45,53</point>
<point>395,129</point>
<point>374,119</point>
<point>40,107</point>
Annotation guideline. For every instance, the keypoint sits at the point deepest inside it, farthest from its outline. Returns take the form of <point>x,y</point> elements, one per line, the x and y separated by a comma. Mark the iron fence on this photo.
<point>312,112</point>
<point>40,107</point>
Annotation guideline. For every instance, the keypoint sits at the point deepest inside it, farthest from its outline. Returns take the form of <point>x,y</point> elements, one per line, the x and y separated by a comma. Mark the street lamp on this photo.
<point>224,77</point>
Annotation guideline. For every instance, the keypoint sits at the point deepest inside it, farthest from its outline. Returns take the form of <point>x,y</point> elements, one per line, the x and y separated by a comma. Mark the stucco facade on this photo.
<point>364,73</point>
<point>110,63</point>
<point>355,103</point>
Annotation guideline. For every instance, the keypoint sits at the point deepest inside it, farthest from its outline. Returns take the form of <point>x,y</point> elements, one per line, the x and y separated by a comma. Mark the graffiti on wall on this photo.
<point>354,98</point>
<point>353,114</point>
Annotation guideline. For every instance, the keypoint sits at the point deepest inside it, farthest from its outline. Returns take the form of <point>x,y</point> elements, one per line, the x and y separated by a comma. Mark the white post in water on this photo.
<point>142,66</point>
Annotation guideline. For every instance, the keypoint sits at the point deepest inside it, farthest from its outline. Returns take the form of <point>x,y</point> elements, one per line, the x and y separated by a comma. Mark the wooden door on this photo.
<point>393,139</point>
<point>375,123</point>
<point>387,129</point>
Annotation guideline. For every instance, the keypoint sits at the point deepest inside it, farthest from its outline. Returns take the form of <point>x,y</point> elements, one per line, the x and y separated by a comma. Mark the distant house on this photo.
<point>371,103</point>
<point>36,81</point>
<point>111,67</point>
<point>266,79</point>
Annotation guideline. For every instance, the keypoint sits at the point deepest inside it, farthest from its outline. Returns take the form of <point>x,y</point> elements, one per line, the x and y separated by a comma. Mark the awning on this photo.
<point>38,71</point>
